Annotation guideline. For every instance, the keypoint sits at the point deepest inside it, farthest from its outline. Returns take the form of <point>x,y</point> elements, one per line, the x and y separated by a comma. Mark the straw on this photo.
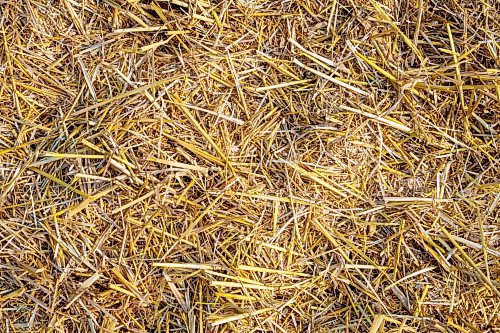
<point>247,166</point>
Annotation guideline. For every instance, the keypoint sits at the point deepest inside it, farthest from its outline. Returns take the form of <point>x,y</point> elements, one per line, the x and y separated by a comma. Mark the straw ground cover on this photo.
<point>249,166</point>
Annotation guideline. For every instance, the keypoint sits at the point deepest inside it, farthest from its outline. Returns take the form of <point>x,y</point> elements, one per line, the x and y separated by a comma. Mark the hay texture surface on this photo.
<point>249,166</point>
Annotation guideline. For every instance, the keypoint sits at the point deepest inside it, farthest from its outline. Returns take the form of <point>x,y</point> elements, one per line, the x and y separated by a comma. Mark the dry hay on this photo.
<point>249,166</point>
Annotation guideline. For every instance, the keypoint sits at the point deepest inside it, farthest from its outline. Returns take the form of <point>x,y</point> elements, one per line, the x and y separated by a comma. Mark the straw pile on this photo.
<point>249,166</point>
